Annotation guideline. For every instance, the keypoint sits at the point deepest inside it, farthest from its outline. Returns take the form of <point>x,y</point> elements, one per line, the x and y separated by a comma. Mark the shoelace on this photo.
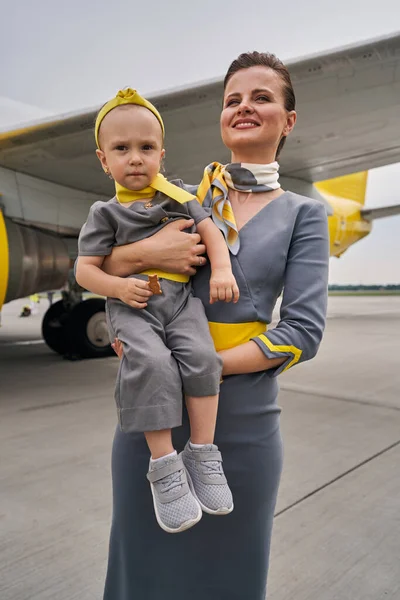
<point>172,481</point>
<point>212,467</point>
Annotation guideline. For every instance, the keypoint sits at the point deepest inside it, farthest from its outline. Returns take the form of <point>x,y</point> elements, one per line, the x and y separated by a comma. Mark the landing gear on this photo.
<point>54,327</point>
<point>78,333</point>
<point>88,333</point>
<point>77,328</point>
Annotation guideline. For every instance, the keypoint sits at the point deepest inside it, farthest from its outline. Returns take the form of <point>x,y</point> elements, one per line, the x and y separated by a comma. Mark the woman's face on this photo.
<point>254,118</point>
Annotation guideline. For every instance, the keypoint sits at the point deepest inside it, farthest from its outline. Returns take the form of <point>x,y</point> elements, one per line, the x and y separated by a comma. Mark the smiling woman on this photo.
<point>278,241</point>
<point>266,97</point>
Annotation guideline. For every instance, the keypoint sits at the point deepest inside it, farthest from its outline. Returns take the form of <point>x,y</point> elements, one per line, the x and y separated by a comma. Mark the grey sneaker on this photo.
<point>175,507</point>
<point>207,479</point>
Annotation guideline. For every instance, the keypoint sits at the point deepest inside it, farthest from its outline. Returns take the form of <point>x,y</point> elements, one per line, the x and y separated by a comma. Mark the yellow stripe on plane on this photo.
<point>4,260</point>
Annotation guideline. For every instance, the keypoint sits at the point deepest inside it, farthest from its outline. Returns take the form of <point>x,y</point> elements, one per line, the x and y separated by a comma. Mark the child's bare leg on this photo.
<point>159,442</point>
<point>203,460</point>
<point>202,416</point>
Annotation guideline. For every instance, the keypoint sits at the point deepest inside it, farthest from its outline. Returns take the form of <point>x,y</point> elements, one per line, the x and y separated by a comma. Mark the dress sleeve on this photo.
<point>97,236</point>
<point>303,309</point>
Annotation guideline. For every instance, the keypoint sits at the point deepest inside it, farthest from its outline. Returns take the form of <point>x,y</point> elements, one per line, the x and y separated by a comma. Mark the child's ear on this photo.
<point>102,158</point>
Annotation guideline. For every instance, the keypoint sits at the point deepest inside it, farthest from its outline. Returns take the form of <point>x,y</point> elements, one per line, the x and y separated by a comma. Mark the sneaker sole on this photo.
<point>184,526</point>
<point>210,511</point>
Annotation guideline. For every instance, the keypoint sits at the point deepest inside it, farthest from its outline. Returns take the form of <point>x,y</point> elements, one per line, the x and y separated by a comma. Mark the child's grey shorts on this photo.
<point>168,351</point>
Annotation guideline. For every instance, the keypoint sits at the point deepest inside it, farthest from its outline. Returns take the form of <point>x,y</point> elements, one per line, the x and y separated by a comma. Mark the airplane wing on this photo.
<point>370,214</point>
<point>347,103</point>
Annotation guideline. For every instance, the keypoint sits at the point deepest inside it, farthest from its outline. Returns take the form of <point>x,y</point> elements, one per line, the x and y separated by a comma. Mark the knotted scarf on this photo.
<point>244,177</point>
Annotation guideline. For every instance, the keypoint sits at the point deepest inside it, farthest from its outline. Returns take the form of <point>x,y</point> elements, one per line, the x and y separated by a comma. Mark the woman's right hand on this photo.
<point>175,251</point>
<point>171,249</point>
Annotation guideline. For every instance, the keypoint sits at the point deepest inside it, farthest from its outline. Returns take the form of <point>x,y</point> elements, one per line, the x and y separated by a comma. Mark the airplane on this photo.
<point>347,104</point>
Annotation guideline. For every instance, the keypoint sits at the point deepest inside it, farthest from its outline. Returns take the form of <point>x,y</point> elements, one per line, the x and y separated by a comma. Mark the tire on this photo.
<point>88,332</point>
<point>54,329</point>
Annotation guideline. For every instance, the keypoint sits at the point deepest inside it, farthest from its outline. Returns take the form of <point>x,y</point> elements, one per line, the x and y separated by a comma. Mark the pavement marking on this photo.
<point>337,478</point>
<point>22,343</point>
<point>341,397</point>
<point>56,404</point>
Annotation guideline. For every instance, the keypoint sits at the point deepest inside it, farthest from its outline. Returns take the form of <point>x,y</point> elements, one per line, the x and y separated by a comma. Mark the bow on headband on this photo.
<point>127,96</point>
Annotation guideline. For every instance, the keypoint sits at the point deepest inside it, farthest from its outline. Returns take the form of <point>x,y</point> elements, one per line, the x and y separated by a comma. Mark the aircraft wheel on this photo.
<point>54,327</point>
<point>88,329</point>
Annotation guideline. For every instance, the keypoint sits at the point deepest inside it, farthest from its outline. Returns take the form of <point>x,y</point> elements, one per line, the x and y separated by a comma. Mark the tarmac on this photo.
<point>337,524</point>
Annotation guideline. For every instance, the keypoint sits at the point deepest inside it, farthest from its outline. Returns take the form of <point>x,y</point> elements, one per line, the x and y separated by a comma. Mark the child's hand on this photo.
<point>223,286</point>
<point>134,292</point>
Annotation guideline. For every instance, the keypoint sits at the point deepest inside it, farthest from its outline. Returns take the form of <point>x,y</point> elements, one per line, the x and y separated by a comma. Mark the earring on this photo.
<point>107,172</point>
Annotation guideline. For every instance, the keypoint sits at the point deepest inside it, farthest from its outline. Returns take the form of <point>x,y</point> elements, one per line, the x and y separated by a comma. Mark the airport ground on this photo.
<point>337,523</point>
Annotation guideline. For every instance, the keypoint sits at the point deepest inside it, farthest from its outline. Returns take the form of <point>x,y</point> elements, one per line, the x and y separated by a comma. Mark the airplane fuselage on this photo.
<point>41,221</point>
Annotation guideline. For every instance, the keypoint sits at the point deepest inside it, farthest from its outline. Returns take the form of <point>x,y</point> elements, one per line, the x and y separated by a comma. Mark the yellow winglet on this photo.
<point>292,349</point>
<point>351,187</point>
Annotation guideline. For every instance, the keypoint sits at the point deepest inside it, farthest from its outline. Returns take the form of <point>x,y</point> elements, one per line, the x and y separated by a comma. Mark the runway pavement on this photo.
<point>337,524</point>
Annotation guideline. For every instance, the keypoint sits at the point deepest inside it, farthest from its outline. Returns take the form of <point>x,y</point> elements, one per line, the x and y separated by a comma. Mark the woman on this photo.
<point>281,242</point>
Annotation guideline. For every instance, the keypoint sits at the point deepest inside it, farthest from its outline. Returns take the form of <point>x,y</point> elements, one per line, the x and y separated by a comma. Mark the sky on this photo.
<point>59,57</point>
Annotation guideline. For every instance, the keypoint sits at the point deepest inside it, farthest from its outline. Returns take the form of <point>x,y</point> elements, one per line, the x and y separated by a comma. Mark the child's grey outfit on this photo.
<point>167,345</point>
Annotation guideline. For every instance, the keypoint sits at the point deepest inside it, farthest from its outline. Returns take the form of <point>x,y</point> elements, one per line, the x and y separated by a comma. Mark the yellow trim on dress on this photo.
<point>4,260</point>
<point>292,349</point>
<point>229,335</point>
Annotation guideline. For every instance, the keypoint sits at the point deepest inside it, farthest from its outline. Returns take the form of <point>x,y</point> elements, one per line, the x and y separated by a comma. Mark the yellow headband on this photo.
<point>127,96</point>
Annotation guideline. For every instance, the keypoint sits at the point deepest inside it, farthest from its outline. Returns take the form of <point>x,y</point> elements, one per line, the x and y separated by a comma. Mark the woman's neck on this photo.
<point>256,158</point>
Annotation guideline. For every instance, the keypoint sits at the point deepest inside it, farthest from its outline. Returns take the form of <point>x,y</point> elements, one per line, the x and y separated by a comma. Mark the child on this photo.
<point>166,341</point>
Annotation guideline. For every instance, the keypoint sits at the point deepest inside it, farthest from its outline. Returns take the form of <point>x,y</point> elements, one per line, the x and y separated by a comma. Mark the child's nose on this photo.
<point>135,159</point>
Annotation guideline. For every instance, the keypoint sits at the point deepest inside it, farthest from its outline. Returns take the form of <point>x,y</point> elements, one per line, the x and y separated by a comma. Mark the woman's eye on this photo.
<point>263,98</point>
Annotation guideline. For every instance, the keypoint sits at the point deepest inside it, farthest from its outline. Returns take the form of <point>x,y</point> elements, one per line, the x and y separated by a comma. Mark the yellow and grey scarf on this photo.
<point>214,187</point>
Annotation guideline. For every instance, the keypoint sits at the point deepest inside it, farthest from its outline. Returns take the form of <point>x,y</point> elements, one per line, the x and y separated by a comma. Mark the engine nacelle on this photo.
<point>30,261</point>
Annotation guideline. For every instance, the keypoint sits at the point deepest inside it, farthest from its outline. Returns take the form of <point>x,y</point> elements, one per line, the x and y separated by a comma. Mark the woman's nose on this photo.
<point>244,108</point>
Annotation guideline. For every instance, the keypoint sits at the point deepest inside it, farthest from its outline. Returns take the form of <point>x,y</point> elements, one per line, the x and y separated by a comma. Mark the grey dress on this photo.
<point>285,245</point>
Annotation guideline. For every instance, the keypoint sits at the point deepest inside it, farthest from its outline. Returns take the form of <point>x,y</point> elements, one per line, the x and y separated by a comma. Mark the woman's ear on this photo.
<point>290,123</point>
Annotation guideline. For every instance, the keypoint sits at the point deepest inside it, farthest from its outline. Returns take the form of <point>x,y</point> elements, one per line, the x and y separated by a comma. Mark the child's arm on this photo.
<point>132,291</point>
<point>223,285</point>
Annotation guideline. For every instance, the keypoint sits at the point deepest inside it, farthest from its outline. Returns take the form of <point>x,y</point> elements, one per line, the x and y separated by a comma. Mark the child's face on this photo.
<point>131,144</point>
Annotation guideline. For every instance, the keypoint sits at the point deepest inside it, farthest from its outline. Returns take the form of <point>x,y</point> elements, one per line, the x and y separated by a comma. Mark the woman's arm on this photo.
<point>247,358</point>
<point>298,334</point>
<point>303,310</point>
<point>170,249</point>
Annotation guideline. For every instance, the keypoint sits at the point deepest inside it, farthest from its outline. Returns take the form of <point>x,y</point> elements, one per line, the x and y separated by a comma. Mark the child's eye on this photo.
<point>120,148</point>
<point>147,147</point>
